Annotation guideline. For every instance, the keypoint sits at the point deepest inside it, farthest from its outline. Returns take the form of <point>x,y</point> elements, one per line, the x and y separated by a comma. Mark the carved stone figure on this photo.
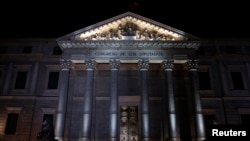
<point>129,29</point>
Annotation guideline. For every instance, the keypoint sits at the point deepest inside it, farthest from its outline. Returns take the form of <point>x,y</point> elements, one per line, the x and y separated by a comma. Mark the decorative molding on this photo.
<point>14,109</point>
<point>90,64</point>
<point>155,98</point>
<point>137,44</point>
<point>192,64</point>
<point>143,64</point>
<point>24,97</point>
<point>102,98</point>
<point>49,110</point>
<point>65,64</point>
<point>115,64</point>
<point>168,64</point>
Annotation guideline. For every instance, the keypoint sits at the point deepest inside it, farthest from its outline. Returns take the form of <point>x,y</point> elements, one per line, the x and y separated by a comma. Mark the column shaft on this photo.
<point>62,100</point>
<point>34,78</point>
<point>144,105</point>
<point>143,65</point>
<point>6,87</point>
<point>170,100</point>
<point>114,100</point>
<point>199,122</point>
<point>88,100</point>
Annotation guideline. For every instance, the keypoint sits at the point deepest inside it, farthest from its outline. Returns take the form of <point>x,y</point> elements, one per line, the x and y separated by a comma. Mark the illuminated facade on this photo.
<point>127,78</point>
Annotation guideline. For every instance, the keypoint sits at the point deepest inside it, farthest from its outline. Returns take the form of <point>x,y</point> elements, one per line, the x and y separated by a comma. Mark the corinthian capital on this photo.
<point>168,64</point>
<point>65,64</point>
<point>192,64</point>
<point>143,64</point>
<point>115,64</point>
<point>90,64</point>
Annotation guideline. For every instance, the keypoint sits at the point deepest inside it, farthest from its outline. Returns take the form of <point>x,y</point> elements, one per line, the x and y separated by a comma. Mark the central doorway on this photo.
<point>129,123</point>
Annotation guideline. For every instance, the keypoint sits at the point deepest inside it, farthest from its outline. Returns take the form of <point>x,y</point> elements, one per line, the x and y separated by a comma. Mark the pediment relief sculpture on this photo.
<point>129,28</point>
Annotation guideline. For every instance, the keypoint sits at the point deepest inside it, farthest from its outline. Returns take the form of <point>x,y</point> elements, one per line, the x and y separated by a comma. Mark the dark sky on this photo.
<point>203,18</point>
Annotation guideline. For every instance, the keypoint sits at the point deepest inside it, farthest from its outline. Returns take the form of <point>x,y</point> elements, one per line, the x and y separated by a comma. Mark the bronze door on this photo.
<point>129,123</point>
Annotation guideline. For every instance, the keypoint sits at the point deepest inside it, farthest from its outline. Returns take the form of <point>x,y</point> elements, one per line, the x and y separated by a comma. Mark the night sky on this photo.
<point>204,18</point>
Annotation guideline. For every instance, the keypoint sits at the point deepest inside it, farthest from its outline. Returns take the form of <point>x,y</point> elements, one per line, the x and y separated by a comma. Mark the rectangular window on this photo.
<point>53,80</point>
<point>57,51</point>
<point>11,124</point>
<point>21,80</point>
<point>204,80</point>
<point>48,118</point>
<point>237,81</point>
<point>245,119</point>
<point>27,49</point>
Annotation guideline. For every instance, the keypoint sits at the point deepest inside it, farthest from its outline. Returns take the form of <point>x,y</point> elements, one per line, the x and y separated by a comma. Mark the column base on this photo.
<point>200,139</point>
<point>59,138</point>
<point>84,139</point>
<point>113,139</point>
<point>145,139</point>
<point>172,139</point>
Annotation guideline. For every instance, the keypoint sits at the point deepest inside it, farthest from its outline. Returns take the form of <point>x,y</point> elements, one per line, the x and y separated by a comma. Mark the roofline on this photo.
<point>123,15</point>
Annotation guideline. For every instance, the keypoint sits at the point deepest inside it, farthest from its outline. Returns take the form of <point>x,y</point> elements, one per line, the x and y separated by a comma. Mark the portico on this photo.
<point>129,39</point>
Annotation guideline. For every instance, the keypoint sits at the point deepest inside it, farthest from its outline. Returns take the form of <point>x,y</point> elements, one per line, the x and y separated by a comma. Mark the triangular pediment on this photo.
<point>128,26</point>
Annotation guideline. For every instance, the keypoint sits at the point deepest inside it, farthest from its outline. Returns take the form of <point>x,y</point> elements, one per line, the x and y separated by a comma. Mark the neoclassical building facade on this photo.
<point>127,78</point>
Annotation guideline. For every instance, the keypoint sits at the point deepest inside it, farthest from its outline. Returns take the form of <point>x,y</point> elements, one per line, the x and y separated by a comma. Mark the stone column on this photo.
<point>170,100</point>
<point>8,78</point>
<point>34,78</point>
<point>88,100</point>
<point>115,64</point>
<point>199,123</point>
<point>143,66</point>
<point>62,100</point>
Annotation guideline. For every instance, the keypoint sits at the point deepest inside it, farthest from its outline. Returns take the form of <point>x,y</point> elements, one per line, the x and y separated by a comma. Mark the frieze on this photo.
<point>128,54</point>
